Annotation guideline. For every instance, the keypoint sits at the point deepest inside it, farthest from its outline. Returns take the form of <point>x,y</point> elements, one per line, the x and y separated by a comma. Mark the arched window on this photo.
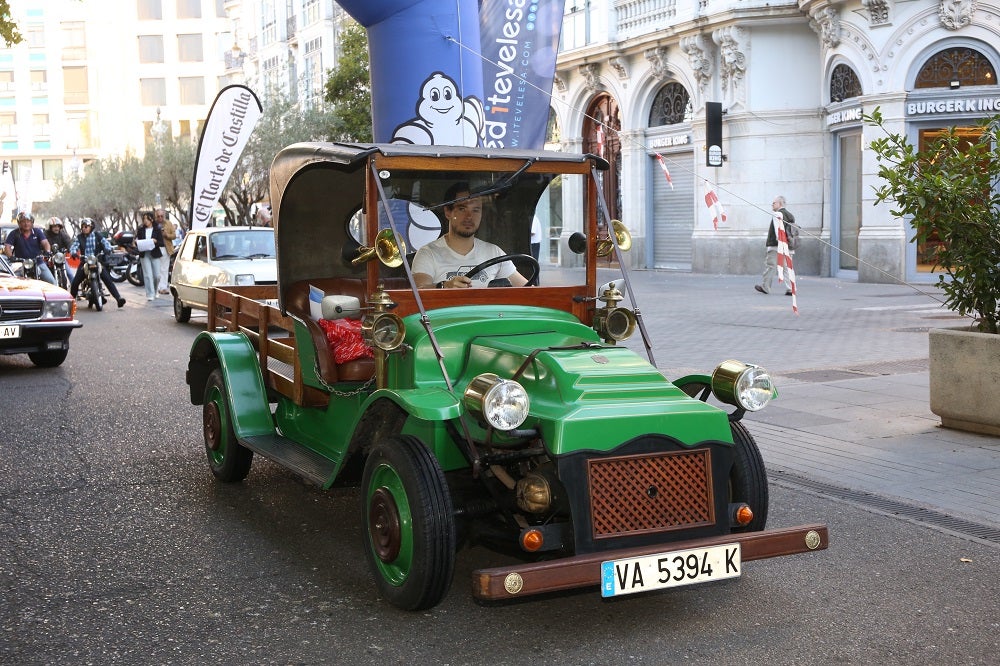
<point>600,137</point>
<point>672,105</point>
<point>967,67</point>
<point>844,84</point>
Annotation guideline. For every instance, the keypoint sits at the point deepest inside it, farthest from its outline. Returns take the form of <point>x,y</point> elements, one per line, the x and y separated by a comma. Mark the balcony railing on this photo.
<point>641,17</point>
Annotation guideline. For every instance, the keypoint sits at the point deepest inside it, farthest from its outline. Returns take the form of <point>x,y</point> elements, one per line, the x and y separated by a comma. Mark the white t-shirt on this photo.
<point>440,261</point>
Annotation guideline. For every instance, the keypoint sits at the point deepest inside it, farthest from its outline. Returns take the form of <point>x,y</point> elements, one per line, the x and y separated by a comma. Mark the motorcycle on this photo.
<point>27,268</point>
<point>124,265</point>
<point>91,287</point>
<point>57,264</point>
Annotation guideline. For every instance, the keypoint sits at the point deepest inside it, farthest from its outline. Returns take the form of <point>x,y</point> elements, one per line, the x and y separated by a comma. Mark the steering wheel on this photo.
<point>506,257</point>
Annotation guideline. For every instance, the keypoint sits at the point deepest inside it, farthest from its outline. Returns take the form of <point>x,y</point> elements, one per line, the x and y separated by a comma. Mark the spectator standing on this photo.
<point>150,237</point>
<point>536,245</point>
<point>169,232</point>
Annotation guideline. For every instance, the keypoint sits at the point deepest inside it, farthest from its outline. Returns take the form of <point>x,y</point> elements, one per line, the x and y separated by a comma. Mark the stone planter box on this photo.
<point>965,379</point>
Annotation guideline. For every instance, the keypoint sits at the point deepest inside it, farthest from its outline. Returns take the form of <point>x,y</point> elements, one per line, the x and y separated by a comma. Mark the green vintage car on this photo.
<point>506,416</point>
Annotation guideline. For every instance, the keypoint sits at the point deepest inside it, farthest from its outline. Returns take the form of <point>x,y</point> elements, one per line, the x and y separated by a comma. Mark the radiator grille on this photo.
<point>20,310</point>
<point>650,493</point>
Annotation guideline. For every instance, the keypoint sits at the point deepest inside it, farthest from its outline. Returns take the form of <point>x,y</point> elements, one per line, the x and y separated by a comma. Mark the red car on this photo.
<point>36,318</point>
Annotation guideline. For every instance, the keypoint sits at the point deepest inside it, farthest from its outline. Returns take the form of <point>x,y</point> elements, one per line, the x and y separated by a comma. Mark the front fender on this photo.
<point>428,404</point>
<point>693,382</point>
<point>235,355</point>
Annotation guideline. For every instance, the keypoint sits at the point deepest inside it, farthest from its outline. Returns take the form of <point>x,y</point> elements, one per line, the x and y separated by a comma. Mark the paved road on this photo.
<point>118,547</point>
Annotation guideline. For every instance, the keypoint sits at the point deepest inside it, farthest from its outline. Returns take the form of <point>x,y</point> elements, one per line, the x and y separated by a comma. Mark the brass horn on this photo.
<point>385,248</point>
<point>622,236</point>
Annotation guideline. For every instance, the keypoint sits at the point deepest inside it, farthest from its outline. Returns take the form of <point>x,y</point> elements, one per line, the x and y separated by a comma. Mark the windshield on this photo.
<point>522,213</point>
<point>241,244</point>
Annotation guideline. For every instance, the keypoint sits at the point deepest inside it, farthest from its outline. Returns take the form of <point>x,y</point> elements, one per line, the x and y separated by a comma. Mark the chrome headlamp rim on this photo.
<point>501,403</point>
<point>742,385</point>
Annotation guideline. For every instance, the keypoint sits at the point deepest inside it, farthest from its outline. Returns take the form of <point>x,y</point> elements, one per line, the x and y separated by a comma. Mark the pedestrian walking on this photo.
<point>771,244</point>
<point>169,232</point>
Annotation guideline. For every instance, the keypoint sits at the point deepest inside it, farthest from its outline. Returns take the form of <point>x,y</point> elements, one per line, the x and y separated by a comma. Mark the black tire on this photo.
<point>748,478</point>
<point>95,294</point>
<point>134,273</point>
<point>408,523</point>
<point>228,459</point>
<point>181,313</point>
<point>48,359</point>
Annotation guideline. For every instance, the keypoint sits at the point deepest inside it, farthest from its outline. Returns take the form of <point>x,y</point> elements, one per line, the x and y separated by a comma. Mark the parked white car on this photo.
<point>220,256</point>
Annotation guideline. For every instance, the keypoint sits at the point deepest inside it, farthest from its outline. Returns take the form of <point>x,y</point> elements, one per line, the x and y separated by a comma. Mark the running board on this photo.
<point>293,456</point>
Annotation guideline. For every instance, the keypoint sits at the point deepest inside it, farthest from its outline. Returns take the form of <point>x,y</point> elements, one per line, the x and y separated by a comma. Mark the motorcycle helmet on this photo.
<point>55,222</point>
<point>25,216</point>
<point>86,222</point>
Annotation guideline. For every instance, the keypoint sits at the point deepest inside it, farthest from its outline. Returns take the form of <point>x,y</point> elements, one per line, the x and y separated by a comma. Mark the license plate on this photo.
<point>10,331</point>
<point>673,569</point>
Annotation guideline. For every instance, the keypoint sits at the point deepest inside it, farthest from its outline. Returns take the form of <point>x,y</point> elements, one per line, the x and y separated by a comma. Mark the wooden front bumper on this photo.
<point>584,570</point>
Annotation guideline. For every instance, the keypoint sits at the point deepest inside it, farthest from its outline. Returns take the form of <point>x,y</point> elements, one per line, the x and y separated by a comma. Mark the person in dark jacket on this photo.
<point>58,238</point>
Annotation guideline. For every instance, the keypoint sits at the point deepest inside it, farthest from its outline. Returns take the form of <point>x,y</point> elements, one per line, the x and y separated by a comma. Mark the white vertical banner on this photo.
<point>231,120</point>
<point>8,192</point>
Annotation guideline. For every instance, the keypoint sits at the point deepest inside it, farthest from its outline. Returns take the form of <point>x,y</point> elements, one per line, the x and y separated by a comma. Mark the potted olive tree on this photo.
<point>950,193</point>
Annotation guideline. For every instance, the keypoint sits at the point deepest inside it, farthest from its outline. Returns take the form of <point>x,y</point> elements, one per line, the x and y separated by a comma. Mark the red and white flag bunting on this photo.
<point>715,208</point>
<point>666,172</point>
<point>785,267</point>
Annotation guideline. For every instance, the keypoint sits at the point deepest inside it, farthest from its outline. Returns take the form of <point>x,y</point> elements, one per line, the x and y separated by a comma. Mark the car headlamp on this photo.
<point>245,279</point>
<point>746,386</point>
<point>502,403</point>
<point>61,309</point>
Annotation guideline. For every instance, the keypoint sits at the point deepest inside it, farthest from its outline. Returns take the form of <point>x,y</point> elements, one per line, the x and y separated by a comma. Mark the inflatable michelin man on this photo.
<point>443,117</point>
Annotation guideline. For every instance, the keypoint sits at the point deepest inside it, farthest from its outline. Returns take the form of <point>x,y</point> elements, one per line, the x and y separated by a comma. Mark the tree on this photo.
<point>348,88</point>
<point>170,167</point>
<point>281,124</point>
<point>948,191</point>
<point>8,29</point>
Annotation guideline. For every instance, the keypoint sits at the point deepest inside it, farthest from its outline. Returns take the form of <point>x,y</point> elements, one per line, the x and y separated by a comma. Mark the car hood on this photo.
<point>15,287</point>
<point>263,270</point>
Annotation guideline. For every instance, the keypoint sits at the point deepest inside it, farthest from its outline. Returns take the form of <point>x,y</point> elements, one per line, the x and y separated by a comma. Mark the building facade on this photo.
<point>91,82</point>
<point>794,79</point>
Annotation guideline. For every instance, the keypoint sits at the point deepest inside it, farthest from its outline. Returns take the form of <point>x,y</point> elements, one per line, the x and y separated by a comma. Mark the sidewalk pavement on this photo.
<point>853,415</point>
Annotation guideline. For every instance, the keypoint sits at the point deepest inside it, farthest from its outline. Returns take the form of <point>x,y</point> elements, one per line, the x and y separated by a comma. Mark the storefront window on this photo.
<point>928,243</point>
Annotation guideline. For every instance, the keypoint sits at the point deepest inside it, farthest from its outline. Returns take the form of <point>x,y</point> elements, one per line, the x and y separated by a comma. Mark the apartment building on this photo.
<point>794,79</point>
<point>94,79</point>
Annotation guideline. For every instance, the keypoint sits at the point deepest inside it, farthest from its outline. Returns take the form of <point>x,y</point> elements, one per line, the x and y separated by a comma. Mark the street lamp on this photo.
<point>159,131</point>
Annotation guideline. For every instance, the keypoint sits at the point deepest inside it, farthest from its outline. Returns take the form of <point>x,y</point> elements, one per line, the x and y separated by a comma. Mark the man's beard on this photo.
<point>465,234</point>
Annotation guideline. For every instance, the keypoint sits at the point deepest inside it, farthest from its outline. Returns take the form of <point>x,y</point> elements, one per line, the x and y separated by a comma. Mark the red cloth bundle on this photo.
<point>344,338</point>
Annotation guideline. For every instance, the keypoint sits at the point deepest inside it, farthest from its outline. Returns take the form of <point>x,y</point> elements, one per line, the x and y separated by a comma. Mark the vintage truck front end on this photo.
<point>590,462</point>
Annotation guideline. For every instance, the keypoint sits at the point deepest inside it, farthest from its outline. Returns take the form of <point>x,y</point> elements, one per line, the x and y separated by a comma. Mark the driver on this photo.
<point>27,242</point>
<point>443,262</point>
